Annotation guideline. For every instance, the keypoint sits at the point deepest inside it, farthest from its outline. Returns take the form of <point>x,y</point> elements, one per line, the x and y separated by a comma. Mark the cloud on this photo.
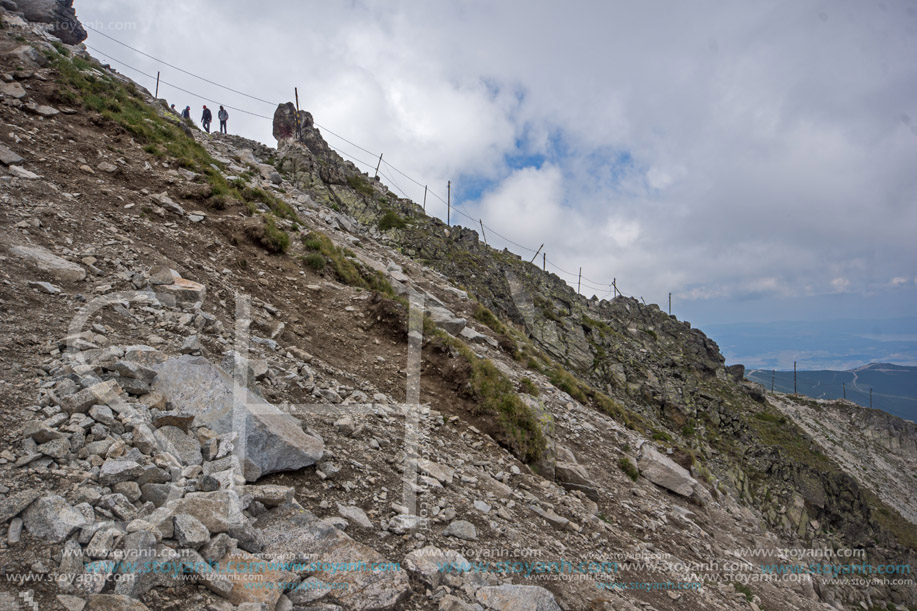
<point>754,151</point>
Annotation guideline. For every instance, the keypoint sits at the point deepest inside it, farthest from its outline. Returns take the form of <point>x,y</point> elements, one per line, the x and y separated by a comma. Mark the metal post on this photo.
<point>484,235</point>
<point>156,95</point>
<point>794,377</point>
<point>449,204</point>
<point>544,261</point>
<point>614,285</point>
<point>579,279</point>
<point>670,304</point>
<point>425,199</point>
<point>377,166</point>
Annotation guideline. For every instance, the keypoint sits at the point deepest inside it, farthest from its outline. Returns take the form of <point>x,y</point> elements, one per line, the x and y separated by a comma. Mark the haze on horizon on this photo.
<point>755,159</point>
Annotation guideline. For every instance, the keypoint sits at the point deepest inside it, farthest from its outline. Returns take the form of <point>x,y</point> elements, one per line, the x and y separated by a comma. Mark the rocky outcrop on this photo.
<point>59,15</point>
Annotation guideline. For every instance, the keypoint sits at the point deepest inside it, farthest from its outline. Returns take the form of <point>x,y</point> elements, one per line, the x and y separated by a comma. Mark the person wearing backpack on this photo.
<point>206,118</point>
<point>223,116</point>
<point>186,113</point>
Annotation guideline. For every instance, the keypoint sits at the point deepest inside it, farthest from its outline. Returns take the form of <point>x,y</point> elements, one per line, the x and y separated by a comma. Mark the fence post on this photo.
<point>449,204</point>
<point>482,232</point>
<point>544,261</point>
<point>794,377</point>
<point>579,279</point>
<point>670,304</point>
<point>156,95</point>
<point>536,253</point>
<point>377,166</point>
<point>425,199</point>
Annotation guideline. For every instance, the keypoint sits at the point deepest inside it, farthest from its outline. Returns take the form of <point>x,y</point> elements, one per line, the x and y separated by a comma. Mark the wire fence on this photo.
<point>604,289</point>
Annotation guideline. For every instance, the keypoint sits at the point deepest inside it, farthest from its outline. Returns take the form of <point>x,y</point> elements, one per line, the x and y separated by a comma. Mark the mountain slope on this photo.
<point>468,406</point>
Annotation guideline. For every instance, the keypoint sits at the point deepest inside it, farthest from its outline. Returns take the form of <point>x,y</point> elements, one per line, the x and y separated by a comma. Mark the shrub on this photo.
<point>315,261</point>
<point>629,468</point>
<point>391,220</point>
<point>485,316</point>
<point>269,236</point>
<point>529,387</point>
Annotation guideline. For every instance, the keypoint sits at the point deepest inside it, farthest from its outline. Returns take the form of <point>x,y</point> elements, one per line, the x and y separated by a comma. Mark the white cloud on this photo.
<point>748,150</point>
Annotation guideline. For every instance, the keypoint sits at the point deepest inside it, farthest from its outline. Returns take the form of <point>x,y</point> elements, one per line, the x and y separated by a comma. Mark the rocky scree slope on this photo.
<point>116,438</point>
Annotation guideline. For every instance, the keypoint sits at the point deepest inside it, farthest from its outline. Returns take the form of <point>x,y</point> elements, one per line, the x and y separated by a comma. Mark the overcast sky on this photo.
<point>756,159</point>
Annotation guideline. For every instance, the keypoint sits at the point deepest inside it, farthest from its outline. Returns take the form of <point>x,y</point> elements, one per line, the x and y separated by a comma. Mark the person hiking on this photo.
<point>206,118</point>
<point>172,108</point>
<point>223,116</point>
<point>186,113</point>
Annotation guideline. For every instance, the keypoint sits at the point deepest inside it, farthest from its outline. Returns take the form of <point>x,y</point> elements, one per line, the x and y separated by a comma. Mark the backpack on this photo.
<point>223,115</point>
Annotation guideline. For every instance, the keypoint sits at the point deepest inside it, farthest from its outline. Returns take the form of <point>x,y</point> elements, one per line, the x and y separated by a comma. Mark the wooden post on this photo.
<point>377,166</point>
<point>614,285</point>
<point>156,95</point>
<point>794,377</point>
<point>484,235</point>
<point>449,204</point>
<point>536,254</point>
<point>298,126</point>
<point>670,304</point>
<point>425,199</point>
<point>579,279</point>
<point>544,261</point>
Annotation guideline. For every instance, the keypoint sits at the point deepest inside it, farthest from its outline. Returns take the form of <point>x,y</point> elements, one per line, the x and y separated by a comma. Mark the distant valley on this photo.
<point>894,387</point>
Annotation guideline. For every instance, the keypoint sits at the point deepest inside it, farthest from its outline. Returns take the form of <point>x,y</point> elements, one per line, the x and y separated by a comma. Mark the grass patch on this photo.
<point>743,589</point>
<point>359,183</point>
<point>485,316</point>
<point>315,261</point>
<point>345,269</point>
<point>629,468</point>
<point>269,236</point>
<point>392,220</point>
<point>529,387</point>
<point>495,396</point>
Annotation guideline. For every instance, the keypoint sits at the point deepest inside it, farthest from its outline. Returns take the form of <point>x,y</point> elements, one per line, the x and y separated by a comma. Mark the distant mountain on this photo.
<point>894,387</point>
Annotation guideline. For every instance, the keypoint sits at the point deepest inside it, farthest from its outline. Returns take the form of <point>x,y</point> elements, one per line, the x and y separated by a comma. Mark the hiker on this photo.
<point>186,113</point>
<point>172,108</point>
<point>206,118</point>
<point>223,116</point>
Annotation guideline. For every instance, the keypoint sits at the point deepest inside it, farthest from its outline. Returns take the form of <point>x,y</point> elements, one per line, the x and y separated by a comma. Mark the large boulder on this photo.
<point>49,263</point>
<point>59,14</point>
<point>270,441</point>
<point>665,472</point>
<point>296,532</point>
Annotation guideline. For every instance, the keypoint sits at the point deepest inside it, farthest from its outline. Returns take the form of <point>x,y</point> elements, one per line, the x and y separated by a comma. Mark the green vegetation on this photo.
<point>661,435</point>
<point>485,316</point>
<point>495,397</point>
<point>315,261</point>
<point>358,183</point>
<point>743,589</point>
<point>391,220</point>
<point>274,203</point>
<point>269,236</point>
<point>529,387</point>
<point>345,270</point>
<point>629,468</point>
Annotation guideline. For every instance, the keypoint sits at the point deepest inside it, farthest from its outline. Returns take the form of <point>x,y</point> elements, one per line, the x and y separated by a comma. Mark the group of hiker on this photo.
<point>206,117</point>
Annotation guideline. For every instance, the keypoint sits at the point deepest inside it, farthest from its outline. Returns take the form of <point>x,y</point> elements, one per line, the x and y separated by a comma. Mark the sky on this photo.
<point>758,160</point>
